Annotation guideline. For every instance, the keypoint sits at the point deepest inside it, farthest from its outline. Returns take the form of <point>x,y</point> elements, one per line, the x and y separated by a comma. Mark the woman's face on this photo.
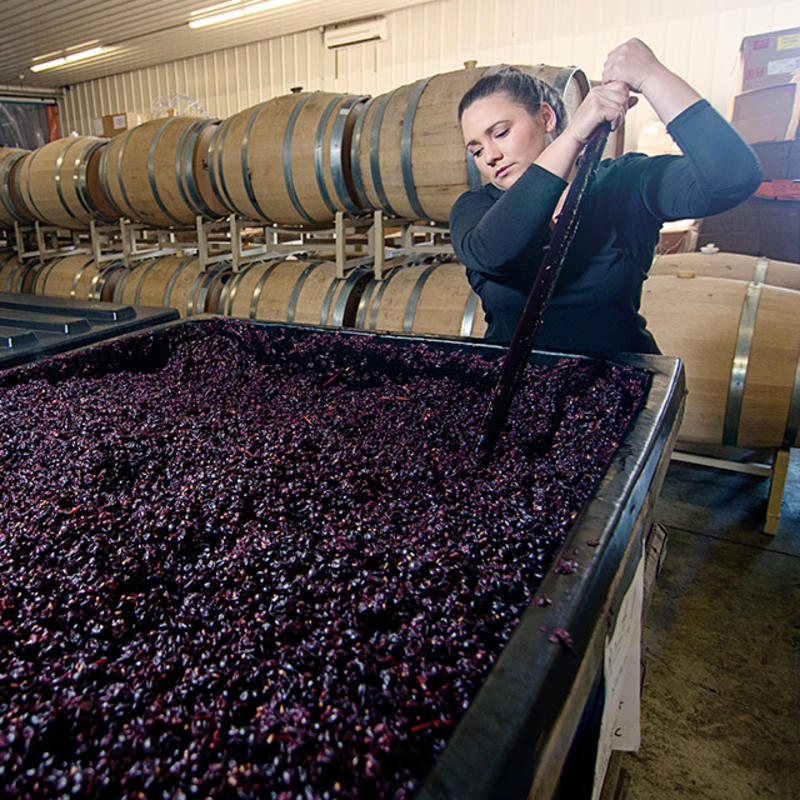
<point>504,138</point>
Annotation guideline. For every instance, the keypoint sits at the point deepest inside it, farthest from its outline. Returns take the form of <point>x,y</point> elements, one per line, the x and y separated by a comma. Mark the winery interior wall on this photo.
<point>698,40</point>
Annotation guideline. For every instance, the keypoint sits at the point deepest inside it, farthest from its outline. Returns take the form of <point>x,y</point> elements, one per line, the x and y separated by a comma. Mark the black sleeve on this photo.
<point>717,170</point>
<point>491,235</point>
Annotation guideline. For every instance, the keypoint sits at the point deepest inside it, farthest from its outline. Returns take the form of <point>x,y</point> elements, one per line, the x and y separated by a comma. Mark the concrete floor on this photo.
<point>721,692</point>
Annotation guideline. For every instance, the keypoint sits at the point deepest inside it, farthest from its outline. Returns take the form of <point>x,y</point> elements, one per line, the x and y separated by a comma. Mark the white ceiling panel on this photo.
<point>141,33</point>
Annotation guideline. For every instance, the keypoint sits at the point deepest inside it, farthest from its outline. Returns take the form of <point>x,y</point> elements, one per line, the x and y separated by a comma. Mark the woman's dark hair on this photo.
<point>521,88</point>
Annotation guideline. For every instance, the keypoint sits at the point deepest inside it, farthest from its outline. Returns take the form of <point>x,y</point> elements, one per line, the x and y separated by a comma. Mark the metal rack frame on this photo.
<point>369,240</point>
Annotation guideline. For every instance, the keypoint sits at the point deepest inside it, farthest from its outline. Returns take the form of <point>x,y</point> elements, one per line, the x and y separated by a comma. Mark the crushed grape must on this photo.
<point>240,562</point>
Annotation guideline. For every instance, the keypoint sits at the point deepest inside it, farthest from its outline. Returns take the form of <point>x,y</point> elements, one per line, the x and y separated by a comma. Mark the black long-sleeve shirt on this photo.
<point>499,235</point>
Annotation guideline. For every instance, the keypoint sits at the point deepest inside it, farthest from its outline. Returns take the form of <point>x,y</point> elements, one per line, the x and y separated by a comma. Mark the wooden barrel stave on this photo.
<point>9,264</point>
<point>729,265</point>
<point>433,299</point>
<point>266,291</point>
<point>70,277</point>
<point>740,344</point>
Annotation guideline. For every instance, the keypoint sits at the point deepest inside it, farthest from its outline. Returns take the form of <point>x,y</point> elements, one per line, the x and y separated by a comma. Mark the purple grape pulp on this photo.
<point>237,562</point>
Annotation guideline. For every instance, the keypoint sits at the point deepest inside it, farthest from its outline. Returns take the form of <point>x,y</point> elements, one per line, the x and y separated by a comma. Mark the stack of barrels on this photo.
<point>298,159</point>
<point>294,160</point>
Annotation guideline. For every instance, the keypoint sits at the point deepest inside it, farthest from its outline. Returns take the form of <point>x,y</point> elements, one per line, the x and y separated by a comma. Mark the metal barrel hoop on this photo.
<point>337,154</point>
<point>145,273</point>
<point>248,184</point>
<point>216,173</point>
<point>59,188</point>
<point>406,141</point>
<point>151,172</point>
<point>44,275</point>
<point>376,301</point>
<point>793,416</point>
<point>740,363</point>
<point>319,148</point>
<point>298,287</point>
<point>259,287</point>
<point>173,280</point>
<point>130,211</point>
<point>77,276</point>
<point>287,159</point>
<point>28,196</point>
<point>5,189</point>
<point>201,285</point>
<point>340,307</point>
<point>413,300</point>
<point>470,310</point>
<point>81,169</point>
<point>184,166</point>
<point>103,175</point>
<point>374,154</point>
<point>355,156</point>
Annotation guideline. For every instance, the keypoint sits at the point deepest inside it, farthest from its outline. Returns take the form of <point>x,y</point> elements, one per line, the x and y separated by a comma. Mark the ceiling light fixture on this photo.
<point>70,58</point>
<point>227,12</point>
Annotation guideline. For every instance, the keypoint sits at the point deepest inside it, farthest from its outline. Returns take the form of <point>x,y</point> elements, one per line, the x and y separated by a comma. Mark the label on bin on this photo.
<point>620,726</point>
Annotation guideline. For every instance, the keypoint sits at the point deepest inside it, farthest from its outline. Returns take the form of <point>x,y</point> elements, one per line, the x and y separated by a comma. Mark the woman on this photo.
<point>513,127</point>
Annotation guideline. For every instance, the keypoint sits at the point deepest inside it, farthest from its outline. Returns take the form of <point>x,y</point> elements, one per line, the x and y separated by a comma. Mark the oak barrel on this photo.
<point>298,291</point>
<point>157,172</point>
<point>287,160</point>
<point>17,275</point>
<point>78,277</point>
<point>729,265</point>
<point>171,282</point>
<point>58,183</point>
<point>11,207</point>
<point>740,344</point>
<point>409,157</point>
<point>425,298</point>
<point>9,264</point>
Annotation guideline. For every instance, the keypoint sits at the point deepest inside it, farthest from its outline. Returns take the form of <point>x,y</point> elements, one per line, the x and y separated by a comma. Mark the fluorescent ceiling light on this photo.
<point>67,59</point>
<point>226,12</point>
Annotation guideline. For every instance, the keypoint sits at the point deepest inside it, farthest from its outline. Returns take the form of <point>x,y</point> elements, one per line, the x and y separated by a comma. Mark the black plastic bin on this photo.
<point>514,739</point>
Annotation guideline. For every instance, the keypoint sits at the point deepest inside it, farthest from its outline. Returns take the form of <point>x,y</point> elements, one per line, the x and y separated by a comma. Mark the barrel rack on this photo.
<point>351,242</point>
<point>377,242</point>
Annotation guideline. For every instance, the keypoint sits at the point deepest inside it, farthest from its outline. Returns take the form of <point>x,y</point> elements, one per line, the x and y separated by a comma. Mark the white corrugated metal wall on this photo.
<point>700,41</point>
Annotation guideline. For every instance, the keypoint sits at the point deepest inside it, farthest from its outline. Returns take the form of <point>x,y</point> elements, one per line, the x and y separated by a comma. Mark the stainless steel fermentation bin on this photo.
<point>514,740</point>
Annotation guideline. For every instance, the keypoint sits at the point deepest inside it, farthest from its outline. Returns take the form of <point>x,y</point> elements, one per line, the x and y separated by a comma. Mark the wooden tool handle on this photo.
<point>519,350</point>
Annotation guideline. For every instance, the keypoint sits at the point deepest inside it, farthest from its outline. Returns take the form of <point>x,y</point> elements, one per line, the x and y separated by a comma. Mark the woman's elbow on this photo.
<point>742,184</point>
<point>750,179</point>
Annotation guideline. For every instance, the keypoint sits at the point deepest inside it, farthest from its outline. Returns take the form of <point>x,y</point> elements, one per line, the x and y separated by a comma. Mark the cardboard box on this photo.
<point>117,123</point>
<point>768,59</point>
<point>767,115</point>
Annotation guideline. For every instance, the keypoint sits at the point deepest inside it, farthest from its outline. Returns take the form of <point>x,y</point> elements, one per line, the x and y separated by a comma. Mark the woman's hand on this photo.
<point>605,103</point>
<point>634,64</point>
